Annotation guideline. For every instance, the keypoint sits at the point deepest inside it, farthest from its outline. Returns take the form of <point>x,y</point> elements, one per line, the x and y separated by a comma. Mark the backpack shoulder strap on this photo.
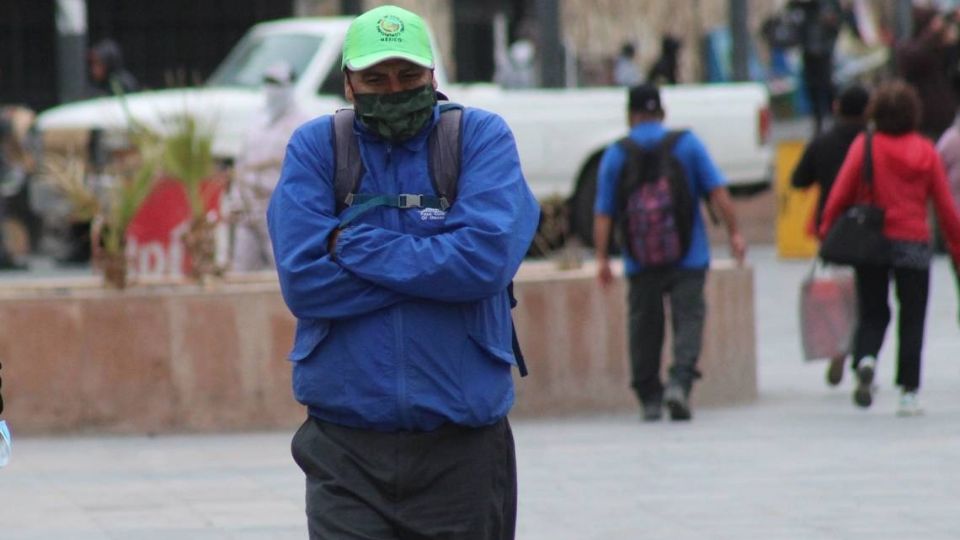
<point>444,153</point>
<point>629,145</point>
<point>671,138</point>
<point>348,165</point>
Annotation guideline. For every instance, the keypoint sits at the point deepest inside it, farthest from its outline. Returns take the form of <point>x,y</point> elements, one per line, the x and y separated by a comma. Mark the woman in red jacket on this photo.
<point>908,174</point>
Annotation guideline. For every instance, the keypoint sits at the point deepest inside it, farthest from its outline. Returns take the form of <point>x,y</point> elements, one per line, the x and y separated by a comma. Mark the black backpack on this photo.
<point>443,150</point>
<point>656,209</point>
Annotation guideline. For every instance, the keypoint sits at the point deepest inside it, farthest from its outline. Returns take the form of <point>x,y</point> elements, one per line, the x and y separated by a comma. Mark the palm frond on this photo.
<point>68,175</point>
<point>188,156</point>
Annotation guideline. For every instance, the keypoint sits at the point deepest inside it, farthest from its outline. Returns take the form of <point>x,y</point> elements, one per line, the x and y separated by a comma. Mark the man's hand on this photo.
<point>738,248</point>
<point>720,199</point>
<point>604,274</point>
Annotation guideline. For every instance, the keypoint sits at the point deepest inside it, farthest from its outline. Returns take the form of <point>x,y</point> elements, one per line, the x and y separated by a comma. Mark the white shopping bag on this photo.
<point>828,312</point>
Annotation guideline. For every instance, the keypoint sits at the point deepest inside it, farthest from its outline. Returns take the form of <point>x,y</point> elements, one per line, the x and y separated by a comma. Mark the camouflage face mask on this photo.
<point>398,116</point>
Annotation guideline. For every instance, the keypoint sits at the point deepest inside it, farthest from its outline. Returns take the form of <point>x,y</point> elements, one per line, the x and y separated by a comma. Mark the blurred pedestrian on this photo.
<point>400,286</point>
<point>922,60</point>
<point>949,149</point>
<point>819,23</point>
<point>907,175</point>
<point>664,70</point>
<point>683,279</point>
<point>11,174</point>
<point>821,160</point>
<point>625,70</point>
<point>107,72</point>
<point>257,169</point>
<point>107,76</point>
<point>518,69</point>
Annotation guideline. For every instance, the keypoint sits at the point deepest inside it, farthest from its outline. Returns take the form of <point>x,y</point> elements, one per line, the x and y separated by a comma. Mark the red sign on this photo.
<point>154,237</point>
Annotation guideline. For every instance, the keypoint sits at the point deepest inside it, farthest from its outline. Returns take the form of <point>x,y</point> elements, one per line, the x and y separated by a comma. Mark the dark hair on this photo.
<point>853,100</point>
<point>895,108</point>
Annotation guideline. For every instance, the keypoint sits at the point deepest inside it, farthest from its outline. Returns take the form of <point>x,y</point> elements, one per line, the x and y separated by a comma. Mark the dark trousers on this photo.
<point>913,286</point>
<point>817,77</point>
<point>645,299</point>
<point>452,483</point>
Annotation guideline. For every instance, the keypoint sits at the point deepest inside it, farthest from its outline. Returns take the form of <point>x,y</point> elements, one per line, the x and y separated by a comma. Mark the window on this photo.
<point>245,64</point>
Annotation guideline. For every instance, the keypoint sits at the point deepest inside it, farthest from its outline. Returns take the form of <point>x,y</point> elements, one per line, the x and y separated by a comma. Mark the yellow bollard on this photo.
<point>795,207</point>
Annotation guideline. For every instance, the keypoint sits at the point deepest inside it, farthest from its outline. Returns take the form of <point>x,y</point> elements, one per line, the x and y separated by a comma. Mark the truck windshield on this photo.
<point>245,64</point>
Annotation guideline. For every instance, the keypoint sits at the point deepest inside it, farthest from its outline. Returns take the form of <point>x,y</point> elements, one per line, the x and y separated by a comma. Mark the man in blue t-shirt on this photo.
<point>682,282</point>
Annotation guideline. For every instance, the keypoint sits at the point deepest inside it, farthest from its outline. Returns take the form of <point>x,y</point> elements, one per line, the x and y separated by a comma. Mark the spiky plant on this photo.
<point>188,158</point>
<point>110,215</point>
<point>126,197</point>
<point>68,175</point>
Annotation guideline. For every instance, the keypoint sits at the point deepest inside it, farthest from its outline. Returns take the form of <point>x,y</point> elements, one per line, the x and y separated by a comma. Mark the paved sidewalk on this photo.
<point>802,463</point>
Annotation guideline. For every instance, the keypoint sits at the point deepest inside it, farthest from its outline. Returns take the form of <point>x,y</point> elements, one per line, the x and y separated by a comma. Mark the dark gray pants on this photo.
<point>452,483</point>
<point>645,299</point>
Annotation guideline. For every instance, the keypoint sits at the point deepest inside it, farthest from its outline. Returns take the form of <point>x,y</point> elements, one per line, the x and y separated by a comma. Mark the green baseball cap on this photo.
<point>385,33</point>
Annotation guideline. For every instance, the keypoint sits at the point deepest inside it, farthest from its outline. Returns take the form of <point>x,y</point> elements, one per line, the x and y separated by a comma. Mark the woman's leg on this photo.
<point>913,288</point>
<point>873,284</point>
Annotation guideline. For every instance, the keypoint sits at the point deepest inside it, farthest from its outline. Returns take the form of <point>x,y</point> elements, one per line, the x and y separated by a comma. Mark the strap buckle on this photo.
<point>408,200</point>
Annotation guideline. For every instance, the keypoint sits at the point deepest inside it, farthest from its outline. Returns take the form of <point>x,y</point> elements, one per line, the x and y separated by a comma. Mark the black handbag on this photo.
<point>856,238</point>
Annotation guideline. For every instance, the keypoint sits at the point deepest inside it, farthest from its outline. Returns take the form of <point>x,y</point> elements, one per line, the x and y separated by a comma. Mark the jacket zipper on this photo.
<point>401,366</point>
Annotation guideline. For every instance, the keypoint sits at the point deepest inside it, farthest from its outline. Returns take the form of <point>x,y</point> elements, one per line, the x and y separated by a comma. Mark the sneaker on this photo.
<point>909,404</point>
<point>863,395</point>
<point>652,411</point>
<point>676,400</point>
<point>835,371</point>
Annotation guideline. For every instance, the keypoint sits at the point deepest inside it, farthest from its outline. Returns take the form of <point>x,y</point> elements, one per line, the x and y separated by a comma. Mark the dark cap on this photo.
<point>645,98</point>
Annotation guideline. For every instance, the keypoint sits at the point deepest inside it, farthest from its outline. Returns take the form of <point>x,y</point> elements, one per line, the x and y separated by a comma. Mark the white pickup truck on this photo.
<point>560,133</point>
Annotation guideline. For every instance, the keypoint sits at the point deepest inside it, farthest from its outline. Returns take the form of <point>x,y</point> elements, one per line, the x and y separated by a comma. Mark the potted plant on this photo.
<point>110,211</point>
<point>188,159</point>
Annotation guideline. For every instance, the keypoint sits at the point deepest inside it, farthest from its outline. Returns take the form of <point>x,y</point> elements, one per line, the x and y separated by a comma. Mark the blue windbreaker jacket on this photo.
<point>408,326</point>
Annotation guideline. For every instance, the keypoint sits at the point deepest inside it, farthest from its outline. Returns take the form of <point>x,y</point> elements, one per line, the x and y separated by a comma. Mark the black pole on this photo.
<point>550,47</point>
<point>351,7</point>
<point>740,38</point>
<point>71,49</point>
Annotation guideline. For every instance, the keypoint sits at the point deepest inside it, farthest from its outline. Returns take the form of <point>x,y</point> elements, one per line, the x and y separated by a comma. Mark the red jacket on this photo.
<point>907,173</point>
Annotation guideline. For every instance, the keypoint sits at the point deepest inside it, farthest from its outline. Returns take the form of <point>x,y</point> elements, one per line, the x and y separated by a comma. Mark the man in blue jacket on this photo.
<point>683,281</point>
<point>403,350</point>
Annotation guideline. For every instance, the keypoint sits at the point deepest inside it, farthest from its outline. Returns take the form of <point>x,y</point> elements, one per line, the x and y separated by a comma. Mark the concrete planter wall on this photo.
<point>161,357</point>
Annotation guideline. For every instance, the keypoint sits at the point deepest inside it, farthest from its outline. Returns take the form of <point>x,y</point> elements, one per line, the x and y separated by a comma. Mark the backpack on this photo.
<point>443,162</point>
<point>656,210</point>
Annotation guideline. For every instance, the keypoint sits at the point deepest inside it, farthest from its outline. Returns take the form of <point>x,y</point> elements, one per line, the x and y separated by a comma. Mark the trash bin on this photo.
<point>795,207</point>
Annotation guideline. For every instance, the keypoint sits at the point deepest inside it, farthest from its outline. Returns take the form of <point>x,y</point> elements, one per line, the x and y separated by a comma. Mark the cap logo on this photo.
<point>389,28</point>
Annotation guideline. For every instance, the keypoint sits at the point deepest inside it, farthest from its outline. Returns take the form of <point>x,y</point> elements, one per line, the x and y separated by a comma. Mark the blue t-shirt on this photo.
<point>702,175</point>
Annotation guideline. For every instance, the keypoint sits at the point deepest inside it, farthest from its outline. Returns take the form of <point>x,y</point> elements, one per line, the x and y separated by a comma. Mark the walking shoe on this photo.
<point>677,404</point>
<point>909,404</point>
<point>863,395</point>
<point>652,411</point>
<point>835,371</point>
